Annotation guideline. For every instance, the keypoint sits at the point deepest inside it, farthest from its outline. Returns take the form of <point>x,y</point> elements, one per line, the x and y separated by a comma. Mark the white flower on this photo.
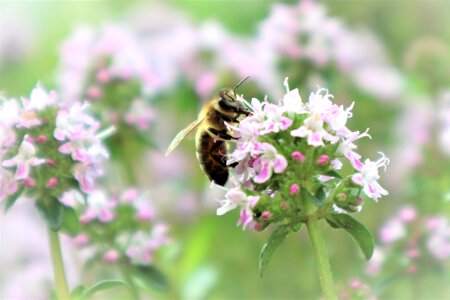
<point>24,160</point>
<point>368,176</point>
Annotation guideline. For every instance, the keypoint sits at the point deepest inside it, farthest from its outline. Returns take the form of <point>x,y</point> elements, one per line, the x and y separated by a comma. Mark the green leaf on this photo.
<point>150,277</point>
<point>308,196</point>
<point>103,285</point>
<point>52,211</point>
<point>360,234</point>
<point>320,194</point>
<point>71,222</point>
<point>333,173</point>
<point>77,293</point>
<point>275,239</point>
<point>12,199</point>
<point>296,227</point>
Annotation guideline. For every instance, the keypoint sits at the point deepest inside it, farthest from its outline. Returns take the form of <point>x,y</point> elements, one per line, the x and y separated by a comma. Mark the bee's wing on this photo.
<point>188,131</point>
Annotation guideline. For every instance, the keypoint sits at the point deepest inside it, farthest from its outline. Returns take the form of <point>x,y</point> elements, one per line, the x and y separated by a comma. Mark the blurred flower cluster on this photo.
<point>47,147</point>
<point>118,227</point>
<point>409,242</point>
<point>294,150</point>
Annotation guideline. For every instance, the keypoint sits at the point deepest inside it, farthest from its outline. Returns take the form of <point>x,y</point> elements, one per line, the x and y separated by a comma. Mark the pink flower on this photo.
<point>234,198</point>
<point>347,146</point>
<point>24,160</point>
<point>100,207</point>
<point>268,162</point>
<point>313,130</point>
<point>111,256</point>
<point>8,185</point>
<point>275,121</point>
<point>392,231</point>
<point>368,176</point>
<point>140,114</point>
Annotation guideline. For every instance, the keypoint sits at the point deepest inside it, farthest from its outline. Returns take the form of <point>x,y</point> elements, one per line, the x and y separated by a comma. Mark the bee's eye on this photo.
<point>225,105</point>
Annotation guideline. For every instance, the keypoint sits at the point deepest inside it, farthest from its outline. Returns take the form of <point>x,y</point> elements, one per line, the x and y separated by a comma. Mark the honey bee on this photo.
<point>211,133</point>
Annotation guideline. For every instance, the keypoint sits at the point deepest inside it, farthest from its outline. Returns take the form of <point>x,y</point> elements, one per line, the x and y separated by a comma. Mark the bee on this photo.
<point>211,133</point>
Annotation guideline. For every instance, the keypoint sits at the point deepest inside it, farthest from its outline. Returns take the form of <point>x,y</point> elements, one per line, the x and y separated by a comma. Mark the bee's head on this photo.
<point>229,102</point>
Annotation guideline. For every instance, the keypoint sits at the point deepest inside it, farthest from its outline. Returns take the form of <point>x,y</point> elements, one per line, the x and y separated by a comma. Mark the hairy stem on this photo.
<point>323,265</point>
<point>62,290</point>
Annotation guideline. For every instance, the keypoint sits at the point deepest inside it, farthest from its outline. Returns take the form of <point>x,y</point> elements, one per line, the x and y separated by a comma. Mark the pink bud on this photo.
<point>51,162</point>
<point>81,240</point>
<point>29,182</point>
<point>342,196</point>
<point>266,215</point>
<point>103,76</point>
<point>413,253</point>
<point>284,204</point>
<point>407,214</point>
<point>111,256</point>
<point>41,139</point>
<point>52,182</point>
<point>323,160</point>
<point>293,189</point>
<point>298,156</point>
<point>258,227</point>
<point>94,92</point>
<point>356,284</point>
<point>359,200</point>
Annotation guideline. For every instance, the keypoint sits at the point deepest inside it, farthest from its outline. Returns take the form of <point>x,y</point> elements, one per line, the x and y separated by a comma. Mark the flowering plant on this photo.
<point>120,229</point>
<point>48,147</point>
<point>289,171</point>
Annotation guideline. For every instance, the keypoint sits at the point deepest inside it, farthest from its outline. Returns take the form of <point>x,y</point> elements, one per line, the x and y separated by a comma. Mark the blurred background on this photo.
<point>148,66</point>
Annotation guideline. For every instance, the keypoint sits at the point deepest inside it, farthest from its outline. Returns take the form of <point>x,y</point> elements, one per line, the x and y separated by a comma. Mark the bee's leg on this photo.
<point>222,134</point>
<point>233,165</point>
<point>229,119</point>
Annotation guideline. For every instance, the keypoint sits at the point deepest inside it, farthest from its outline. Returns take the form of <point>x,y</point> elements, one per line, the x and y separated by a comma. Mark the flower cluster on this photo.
<point>357,289</point>
<point>118,227</point>
<point>109,69</point>
<point>412,237</point>
<point>291,151</point>
<point>47,147</point>
<point>444,117</point>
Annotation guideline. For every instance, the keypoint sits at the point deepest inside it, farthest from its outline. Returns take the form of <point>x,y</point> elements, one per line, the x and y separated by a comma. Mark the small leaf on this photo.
<point>296,227</point>
<point>360,234</point>
<point>52,211</point>
<point>77,293</point>
<point>333,173</point>
<point>320,194</point>
<point>150,277</point>
<point>71,222</point>
<point>309,197</point>
<point>103,285</point>
<point>12,199</point>
<point>275,239</point>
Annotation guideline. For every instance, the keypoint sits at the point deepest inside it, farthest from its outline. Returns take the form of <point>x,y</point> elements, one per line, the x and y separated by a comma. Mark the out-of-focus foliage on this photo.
<point>399,77</point>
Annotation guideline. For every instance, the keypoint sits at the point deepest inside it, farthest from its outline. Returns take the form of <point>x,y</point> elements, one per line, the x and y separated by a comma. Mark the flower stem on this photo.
<point>62,290</point>
<point>323,265</point>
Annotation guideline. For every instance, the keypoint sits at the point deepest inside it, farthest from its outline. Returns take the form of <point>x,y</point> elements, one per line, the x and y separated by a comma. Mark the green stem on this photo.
<point>134,293</point>
<point>62,290</point>
<point>323,265</point>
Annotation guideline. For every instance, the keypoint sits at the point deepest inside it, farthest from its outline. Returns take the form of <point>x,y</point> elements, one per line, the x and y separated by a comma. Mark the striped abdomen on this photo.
<point>212,158</point>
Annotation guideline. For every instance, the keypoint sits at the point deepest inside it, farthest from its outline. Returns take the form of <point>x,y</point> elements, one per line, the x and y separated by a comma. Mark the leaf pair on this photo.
<point>360,234</point>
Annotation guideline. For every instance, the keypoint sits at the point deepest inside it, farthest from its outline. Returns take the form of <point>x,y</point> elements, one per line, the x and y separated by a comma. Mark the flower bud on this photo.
<point>298,156</point>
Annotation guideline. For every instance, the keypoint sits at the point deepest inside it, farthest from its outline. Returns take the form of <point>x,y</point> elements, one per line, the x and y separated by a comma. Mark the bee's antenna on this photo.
<point>238,84</point>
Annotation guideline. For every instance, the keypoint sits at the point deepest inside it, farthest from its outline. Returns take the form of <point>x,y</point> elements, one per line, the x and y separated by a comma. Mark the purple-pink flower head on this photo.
<point>110,215</point>
<point>294,143</point>
<point>45,140</point>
